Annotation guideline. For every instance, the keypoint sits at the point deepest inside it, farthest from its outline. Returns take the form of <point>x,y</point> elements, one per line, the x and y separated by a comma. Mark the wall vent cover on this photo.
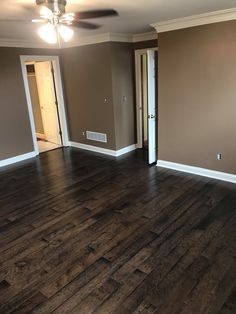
<point>95,136</point>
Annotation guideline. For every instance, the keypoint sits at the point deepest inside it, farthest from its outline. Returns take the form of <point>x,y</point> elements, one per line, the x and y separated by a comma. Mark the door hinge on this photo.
<point>52,70</point>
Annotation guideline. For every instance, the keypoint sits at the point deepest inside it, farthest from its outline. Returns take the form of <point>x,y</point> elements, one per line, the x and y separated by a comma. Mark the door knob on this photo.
<point>151,116</point>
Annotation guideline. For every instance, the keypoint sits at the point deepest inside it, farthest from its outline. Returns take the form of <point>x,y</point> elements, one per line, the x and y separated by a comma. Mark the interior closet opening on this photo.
<point>45,104</point>
<point>146,100</point>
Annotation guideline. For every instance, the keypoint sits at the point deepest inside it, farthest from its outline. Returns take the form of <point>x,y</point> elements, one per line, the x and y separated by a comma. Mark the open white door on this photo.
<point>152,155</point>
<point>47,101</point>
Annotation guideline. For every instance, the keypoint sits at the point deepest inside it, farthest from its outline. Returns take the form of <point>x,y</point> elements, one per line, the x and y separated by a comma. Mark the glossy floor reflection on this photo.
<point>87,233</point>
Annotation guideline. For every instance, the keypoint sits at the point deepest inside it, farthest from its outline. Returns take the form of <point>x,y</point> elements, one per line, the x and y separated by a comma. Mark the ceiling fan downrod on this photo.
<point>56,6</point>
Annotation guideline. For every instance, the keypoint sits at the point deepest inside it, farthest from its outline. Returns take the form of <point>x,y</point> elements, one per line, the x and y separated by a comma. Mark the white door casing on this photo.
<point>144,99</point>
<point>25,59</point>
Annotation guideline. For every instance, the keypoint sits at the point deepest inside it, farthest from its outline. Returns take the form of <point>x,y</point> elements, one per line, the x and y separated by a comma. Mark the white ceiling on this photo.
<point>135,15</point>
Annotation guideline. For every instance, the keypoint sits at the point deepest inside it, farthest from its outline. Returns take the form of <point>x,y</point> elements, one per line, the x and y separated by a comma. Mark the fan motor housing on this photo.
<point>56,6</point>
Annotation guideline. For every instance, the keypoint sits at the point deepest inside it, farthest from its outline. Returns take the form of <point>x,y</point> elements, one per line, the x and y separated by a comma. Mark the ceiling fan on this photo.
<point>57,23</point>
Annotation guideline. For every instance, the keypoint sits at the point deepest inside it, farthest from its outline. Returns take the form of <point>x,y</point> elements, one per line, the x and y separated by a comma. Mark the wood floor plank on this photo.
<point>86,233</point>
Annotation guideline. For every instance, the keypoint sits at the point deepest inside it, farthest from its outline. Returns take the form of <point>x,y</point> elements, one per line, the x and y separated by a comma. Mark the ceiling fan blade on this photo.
<point>39,21</point>
<point>81,24</point>
<point>94,14</point>
<point>16,21</point>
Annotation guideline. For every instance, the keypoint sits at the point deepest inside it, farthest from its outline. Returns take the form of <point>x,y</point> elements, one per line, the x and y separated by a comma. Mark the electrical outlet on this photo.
<point>219,156</point>
<point>83,133</point>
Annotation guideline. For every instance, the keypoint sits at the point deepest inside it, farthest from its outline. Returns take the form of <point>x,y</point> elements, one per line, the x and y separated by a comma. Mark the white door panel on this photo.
<point>47,101</point>
<point>152,156</point>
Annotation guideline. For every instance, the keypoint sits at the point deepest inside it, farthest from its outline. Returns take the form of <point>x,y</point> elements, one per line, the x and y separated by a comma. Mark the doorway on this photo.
<point>146,100</point>
<point>45,102</point>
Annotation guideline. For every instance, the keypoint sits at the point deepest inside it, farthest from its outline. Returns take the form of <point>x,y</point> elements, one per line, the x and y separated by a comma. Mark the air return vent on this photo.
<point>95,136</point>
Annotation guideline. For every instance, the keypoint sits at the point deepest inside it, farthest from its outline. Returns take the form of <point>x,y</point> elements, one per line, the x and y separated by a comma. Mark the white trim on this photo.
<point>102,38</point>
<point>40,136</point>
<point>30,63</point>
<point>126,150</point>
<point>119,37</point>
<point>81,41</point>
<point>29,104</point>
<point>61,103</point>
<point>109,37</point>
<point>198,171</point>
<point>88,40</point>
<point>110,152</point>
<point>12,160</point>
<point>145,37</point>
<point>138,53</point>
<point>9,42</point>
<point>195,20</point>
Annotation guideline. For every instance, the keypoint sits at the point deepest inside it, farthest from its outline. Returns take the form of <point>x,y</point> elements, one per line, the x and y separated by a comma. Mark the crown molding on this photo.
<point>9,42</point>
<point>119,37</point>
<point>108,37</point>
<point>88,40</point>
<point>145,37</point>
<point>195,20</point>
<point>81,41</point>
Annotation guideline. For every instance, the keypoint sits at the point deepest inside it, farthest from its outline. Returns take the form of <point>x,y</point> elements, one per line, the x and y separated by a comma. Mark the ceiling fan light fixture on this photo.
<point>58,22</point>
<point>65,32</point>
<point>48,33</point>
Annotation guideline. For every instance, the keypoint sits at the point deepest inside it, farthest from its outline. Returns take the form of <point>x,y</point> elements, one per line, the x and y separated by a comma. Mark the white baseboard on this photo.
<point>13,160</point>
<point>110,152</point>
<point>41,136</point>
<point>198,171</point>
<point>125,150</point>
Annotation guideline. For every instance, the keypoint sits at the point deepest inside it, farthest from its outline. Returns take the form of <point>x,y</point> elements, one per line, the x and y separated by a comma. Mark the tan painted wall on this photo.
<point>96,78</point>
<point>123,93</point>
<point>15,131</point>
<point>88,77</point>
<point>197,96</point>
<point>88,86</point>
<point>146,44</point>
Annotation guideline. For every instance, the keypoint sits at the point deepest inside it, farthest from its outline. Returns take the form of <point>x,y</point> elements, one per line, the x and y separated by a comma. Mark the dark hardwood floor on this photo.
<point>86,233</point>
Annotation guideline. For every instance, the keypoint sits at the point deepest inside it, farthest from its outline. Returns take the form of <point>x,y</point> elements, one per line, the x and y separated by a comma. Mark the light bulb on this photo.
<point>65,32</point>
<point>48,33</point>
<point>45,12</point>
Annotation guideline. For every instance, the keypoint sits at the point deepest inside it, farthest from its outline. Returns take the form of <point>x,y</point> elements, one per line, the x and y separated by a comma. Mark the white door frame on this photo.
<point>28,59</point>
<point>138,54</point>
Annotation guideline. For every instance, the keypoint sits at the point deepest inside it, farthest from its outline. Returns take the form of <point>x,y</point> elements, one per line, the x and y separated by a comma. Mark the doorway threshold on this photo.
<point>47,146</point>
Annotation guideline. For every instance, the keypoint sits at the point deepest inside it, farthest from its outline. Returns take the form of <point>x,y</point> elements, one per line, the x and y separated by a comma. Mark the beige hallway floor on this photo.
<point>46,146</point>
